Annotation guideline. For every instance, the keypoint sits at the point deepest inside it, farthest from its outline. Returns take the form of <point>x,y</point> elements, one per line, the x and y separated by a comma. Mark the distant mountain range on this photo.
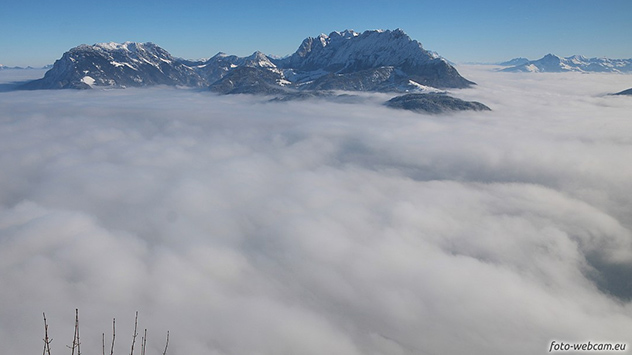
<point>551,63</point>
<point>384,61</point>
<point>4,67</point>
<point>514,62</point>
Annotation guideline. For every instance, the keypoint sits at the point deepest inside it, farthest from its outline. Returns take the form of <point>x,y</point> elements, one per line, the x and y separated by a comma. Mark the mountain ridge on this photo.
<point>115,64</point>
<point>552,63</point>
<point>374,60</point>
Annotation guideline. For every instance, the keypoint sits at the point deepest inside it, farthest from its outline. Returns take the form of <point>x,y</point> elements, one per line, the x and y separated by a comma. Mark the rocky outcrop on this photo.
<point>434,103</point>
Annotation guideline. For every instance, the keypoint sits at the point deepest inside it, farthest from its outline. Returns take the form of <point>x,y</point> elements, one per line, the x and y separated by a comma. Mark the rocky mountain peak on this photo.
<point>258,59</point>
<point>375,60</point>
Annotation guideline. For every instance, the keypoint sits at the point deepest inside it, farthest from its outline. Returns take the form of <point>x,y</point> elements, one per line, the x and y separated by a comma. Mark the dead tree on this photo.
<point>47,340</point>
<point>135,333</point>
<point>166,344</point>
<point>76,343</point>
<point>143,345</point>
<point>113,335</point>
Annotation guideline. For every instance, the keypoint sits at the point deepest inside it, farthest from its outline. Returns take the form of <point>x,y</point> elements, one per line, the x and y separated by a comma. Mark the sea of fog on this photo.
<point>243,226</point>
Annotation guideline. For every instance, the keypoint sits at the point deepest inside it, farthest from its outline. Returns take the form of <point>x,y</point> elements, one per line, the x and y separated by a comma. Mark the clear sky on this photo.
<point>37,32</point>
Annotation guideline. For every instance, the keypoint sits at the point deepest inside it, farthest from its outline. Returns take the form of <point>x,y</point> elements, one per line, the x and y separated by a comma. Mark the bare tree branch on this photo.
<point>77,330</point>
<point>76,342</point>
<point>113,335</point>
<point>167,344</point>
<point>135,333</point>
<point>144,344</point>
<point>75,339</point>
<point>47,340</point>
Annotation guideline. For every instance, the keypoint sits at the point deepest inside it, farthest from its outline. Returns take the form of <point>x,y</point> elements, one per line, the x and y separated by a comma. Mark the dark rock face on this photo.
<point>434,103</point>
<point>250,80</point>
<point>304,95</point>
<point>379,79</point>
<point>625,92</point>
<point>216,67</point>
<point>330,96</point>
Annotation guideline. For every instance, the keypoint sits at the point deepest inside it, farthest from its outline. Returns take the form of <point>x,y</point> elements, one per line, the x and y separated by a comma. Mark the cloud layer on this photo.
<point>315,227</point>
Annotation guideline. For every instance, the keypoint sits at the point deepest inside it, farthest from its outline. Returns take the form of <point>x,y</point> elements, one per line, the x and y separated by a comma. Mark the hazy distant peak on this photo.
<point>576,63</point>
<point>578,57</point>
<point>551,57</point>
<point>257,55</point>
<point>514,62</point>
<point>258,59</point>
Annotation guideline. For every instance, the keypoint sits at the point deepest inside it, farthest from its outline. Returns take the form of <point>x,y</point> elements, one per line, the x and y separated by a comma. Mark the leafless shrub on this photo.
<point>76,343</point>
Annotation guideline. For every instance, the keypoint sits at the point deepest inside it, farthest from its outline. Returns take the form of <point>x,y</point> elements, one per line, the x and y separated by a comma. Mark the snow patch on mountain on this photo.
<point>88,80</point>
<point>425,89</point>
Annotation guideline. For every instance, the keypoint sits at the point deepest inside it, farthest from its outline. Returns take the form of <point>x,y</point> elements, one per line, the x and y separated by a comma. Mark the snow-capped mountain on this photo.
<point>551,63</point>
<point>385,61</point>
<point>116,64</point>
<point>255,74</point>
<point>252,80</point>
<point>515,61</point>
<point>216,67</point>
<point>3,67</point>
<point>369,61</point>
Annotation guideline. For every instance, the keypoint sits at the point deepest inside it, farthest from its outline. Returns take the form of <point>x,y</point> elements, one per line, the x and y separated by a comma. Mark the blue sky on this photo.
<point>38,32</point>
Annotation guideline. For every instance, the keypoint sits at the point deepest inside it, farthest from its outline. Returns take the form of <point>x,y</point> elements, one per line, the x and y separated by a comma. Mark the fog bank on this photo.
<point>244,226</point>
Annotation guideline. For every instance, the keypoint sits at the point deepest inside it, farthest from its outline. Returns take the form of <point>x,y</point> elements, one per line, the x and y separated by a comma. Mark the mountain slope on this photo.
<point>348,52</point>
<point>625,92</point>
<point>514,62</point>
<point>250,80</point>
<point>118,65</point>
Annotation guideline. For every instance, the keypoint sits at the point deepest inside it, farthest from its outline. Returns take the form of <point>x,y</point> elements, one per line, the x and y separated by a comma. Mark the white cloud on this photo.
<point>311,227</point>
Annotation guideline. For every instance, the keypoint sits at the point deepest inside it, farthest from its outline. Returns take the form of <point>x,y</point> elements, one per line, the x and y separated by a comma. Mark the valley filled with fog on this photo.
<point>245,226</point>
